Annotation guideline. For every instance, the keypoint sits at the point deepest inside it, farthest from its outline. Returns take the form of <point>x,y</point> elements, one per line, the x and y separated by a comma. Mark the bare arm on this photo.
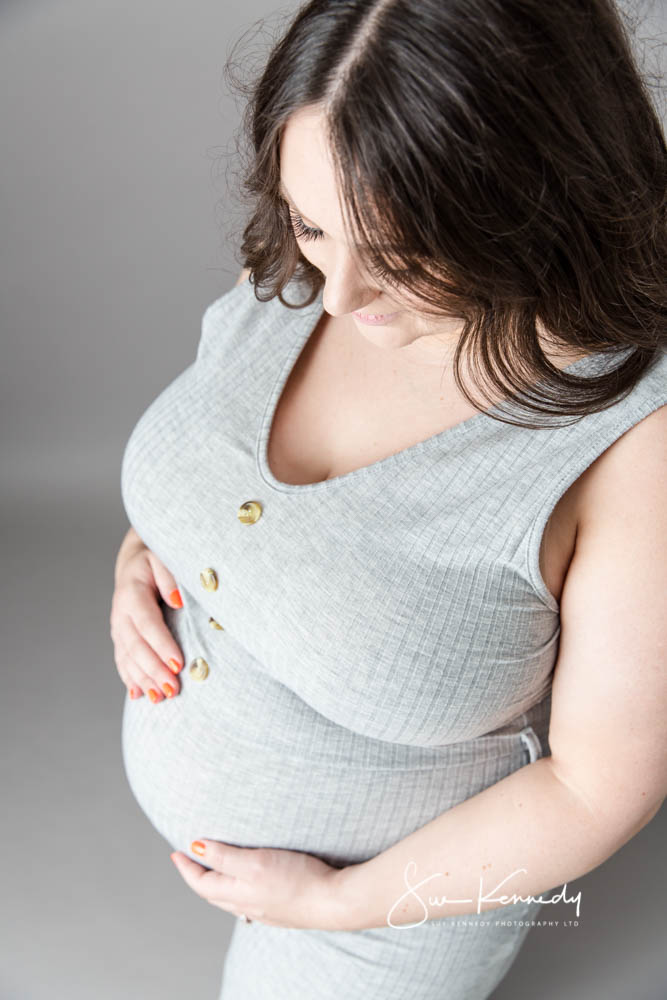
<point>524,835</point>
<point>560,817</point>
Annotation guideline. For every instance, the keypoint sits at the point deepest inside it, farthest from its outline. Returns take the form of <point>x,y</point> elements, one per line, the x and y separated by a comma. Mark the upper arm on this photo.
<point>242,276</point>
<point>608,732</point>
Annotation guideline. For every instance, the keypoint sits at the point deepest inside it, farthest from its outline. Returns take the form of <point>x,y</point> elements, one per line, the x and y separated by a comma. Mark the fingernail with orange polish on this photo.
<point>176,599</point>
<point>153,695</point>
<point>175,666</point>
<point>198,848</point>
<point>168,690</point>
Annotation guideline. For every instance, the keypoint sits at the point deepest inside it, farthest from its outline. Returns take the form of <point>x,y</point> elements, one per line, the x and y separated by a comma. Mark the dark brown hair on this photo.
<point>509,153</point>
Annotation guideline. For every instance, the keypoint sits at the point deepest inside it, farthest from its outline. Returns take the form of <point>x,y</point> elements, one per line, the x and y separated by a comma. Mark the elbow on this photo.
<point>618,817</point>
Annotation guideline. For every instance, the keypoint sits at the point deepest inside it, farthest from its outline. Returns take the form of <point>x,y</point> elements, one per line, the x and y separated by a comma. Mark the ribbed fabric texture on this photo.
<point>387,651</point>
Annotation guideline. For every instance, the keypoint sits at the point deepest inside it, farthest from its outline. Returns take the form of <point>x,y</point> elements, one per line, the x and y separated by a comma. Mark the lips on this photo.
<point>375,319</point>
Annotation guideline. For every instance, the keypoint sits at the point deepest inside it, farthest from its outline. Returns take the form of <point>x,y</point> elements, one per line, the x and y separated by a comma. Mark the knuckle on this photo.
<point>123,665</point>
<point>133,594</point>
<point>155,562</point>
<point>140,621</point>
<point>134,646</point>
<point>145,613</point>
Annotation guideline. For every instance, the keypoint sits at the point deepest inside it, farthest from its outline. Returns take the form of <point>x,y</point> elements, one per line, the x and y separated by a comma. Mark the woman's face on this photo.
<point>309,187</point>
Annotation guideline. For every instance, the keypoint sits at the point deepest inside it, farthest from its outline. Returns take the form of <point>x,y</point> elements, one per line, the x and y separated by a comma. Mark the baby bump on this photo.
<point>196,763</point>
<point>238,757</point>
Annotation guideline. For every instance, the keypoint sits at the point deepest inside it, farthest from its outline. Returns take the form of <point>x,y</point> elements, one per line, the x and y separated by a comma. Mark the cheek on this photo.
<point>312,254</point>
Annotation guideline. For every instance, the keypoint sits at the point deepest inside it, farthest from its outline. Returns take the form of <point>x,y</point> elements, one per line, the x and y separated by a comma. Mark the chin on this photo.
<point>380,337</point>
<point>389,337</point>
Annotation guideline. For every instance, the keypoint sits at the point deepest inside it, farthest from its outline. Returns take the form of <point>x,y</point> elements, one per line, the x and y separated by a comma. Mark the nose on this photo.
<point>345,288</point>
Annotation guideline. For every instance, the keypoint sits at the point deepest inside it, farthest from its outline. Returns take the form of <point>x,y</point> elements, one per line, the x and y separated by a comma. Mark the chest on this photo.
<point>397,604</point>
<point>338,412</point>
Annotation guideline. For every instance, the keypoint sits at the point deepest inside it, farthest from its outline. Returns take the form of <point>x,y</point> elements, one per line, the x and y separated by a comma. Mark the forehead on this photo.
<point>303,143</point>
<point>308,181</point>
<point>283,190</point>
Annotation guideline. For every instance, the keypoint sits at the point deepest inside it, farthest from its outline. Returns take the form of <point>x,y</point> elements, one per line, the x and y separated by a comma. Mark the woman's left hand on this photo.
<point>275,886</point>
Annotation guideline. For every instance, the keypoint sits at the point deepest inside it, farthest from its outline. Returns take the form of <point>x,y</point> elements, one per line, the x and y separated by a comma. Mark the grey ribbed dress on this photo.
<point>386,650</point>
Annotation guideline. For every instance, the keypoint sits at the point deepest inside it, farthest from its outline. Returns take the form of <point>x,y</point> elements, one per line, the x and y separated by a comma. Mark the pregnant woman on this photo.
<point>391,610</point>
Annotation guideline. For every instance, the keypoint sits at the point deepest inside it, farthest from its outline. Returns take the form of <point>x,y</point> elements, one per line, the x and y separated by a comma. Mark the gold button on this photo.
<point>199,669</point>
<point>209,579</point>
<point>249,512</point>
<point>214,624</point>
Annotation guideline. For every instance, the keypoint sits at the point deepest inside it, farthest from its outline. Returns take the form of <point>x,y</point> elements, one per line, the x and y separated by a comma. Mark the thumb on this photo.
<point>165,582</point>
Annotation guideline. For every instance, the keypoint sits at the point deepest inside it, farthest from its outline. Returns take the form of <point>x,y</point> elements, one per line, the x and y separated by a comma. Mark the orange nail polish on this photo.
<point>175,666</point>
<point>153,695</point>
<point>168,690</point>
<point>175,598</point>
<point>134,693</point>
<point>198,848</point>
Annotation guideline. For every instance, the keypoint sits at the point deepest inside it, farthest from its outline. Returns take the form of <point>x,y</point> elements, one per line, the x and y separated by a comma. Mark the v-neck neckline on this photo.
<point>304,329</point>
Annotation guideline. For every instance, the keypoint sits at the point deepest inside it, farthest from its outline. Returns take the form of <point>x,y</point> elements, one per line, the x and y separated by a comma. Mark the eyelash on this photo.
<point>302,231</point>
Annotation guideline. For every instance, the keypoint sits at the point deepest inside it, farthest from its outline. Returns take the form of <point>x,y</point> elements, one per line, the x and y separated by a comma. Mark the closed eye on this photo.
<point>301,230</point>
<point>304,232</point>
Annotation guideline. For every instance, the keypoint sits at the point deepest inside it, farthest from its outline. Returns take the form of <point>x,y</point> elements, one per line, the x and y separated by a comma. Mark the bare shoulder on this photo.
<point>610,680</point>
<point>243,275</point>
<point>627,474</point>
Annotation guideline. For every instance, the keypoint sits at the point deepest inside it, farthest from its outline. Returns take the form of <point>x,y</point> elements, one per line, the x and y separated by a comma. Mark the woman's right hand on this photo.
<point>143,645</point>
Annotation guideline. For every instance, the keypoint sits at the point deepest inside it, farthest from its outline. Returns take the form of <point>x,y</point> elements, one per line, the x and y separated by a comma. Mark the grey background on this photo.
<point>118,229</point>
